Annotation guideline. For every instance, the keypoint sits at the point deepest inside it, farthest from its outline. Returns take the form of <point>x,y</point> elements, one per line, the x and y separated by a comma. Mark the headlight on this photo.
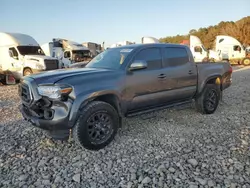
<point>39,66</point>
<point>54,91</point>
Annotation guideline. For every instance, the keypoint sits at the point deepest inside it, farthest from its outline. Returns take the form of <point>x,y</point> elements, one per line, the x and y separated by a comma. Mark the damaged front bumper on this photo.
<point>41,111</point>
<point>58,119</point>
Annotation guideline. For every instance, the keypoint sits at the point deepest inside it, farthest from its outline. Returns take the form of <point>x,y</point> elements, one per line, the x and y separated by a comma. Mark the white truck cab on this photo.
<point>21,55</point>
<point>148,40</point>
<point>122,43</point>
<point>94,48</point>
<point>230,49</point>
<point>144,40</point>
<point>198,50</point>
<point>67,52</point>
<point>226,48</point>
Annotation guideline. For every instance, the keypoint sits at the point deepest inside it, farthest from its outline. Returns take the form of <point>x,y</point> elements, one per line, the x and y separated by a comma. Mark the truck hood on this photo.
<point>37,57</point>
<point>51,77</point>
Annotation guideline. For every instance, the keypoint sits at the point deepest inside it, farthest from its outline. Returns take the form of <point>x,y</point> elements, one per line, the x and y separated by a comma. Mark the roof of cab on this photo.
<point>7,39</point>
<point>149,45</point>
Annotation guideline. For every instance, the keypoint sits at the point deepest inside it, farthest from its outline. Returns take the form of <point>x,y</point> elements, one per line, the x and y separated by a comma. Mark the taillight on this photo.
<point>230,69</point>
<point>10,79</point>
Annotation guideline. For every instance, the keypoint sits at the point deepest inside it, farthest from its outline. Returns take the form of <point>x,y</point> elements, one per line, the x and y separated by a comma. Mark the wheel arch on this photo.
<point>215,79</point>
<point>80,102</point>
<point>27,67</point>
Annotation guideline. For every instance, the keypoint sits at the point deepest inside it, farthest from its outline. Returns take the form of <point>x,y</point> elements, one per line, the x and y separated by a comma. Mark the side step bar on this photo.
<point>137,113</point>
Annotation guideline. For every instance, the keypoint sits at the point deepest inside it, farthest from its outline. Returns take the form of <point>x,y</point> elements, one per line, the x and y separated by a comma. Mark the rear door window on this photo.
<point>175,56</point>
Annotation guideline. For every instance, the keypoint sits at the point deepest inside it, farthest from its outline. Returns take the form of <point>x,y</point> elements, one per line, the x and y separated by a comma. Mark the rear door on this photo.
<point>181,74</point>
<point>143,85</point>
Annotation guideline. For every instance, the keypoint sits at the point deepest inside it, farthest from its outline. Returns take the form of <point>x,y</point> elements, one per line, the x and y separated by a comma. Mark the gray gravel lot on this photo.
<point>171,148</point>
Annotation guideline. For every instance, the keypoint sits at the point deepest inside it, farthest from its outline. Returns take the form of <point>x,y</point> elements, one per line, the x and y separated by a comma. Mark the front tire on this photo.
<point>246,61</point>
<point>27,72</point>
<point>208,101</point>
<point>96,125</point>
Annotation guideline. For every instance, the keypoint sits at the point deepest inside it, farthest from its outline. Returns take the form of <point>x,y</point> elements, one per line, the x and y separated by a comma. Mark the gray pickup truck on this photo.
<point>120,82</point>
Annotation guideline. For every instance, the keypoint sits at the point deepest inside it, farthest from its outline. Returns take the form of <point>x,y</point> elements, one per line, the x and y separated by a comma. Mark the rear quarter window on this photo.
<point>175,56</point>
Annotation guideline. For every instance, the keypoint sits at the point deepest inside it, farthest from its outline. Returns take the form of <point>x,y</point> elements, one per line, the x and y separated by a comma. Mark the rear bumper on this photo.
<point>227,84</point>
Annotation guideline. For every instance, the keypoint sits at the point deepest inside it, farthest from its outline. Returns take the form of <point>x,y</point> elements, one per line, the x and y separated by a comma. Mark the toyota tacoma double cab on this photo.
<point>90,102</point>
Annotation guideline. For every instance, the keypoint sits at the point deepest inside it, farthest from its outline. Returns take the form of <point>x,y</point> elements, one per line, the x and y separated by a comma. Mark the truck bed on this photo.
<point>212,69</point>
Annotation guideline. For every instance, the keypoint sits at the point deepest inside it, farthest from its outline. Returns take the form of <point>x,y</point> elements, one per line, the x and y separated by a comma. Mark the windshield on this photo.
<point>80,55</point>
<point>110,59</point>
<point>30,50</point>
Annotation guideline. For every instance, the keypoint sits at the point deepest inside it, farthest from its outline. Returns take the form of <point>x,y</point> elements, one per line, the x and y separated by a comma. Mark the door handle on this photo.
<point>162,76</point>
<point>190,72</point>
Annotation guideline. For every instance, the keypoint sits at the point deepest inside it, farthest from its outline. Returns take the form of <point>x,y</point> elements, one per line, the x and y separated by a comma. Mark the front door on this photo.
<point>238,52</point>
<point>67,55</point>
<point>198,53</point>
<point>15,64</point>
<point>143,85</point>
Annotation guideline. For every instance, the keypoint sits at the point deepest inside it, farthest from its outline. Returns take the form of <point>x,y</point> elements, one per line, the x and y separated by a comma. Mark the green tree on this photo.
<point>239,30</point>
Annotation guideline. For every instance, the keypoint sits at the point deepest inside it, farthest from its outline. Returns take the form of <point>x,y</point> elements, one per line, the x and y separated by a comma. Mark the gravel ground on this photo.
<point>172,148</point>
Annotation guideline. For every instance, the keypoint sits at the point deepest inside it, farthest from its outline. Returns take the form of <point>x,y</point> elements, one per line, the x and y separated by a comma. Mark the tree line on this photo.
<point>239,30</point>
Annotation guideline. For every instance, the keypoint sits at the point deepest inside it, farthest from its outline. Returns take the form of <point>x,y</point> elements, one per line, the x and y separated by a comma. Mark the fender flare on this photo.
<point>83,99</point>
<point>203,84</point>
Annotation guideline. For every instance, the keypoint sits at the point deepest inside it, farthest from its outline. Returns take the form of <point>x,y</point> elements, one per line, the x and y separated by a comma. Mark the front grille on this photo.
<point>25,93</point>
<point>51,64</point>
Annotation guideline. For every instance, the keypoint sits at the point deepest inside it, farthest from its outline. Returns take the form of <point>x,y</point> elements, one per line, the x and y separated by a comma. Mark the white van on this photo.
<point>21,55</point>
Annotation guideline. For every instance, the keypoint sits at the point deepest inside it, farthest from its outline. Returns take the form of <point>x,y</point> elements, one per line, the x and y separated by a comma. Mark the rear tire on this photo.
<point>96,126</point>
<point>27,72</point>
<point>246,61</point>
<point>208,101</point>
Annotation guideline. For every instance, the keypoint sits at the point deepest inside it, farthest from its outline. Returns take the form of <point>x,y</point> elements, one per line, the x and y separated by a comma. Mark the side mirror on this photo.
<point>40,51</point>
<point>138,65</point>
